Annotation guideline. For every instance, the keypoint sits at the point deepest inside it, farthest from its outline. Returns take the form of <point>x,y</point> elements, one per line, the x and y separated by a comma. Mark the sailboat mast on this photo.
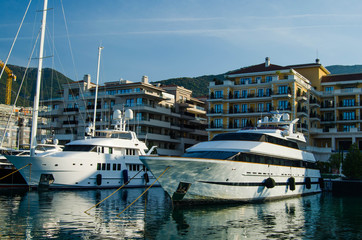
<point>38,82</point>
<point>96,95</point>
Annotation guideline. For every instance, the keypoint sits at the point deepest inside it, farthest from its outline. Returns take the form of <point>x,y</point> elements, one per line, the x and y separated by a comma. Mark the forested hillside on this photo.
<point>51,84</point>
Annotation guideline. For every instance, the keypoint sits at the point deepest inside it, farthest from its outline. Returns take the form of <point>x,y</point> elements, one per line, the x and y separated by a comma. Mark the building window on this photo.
<point>258,79</point>
<point>244,122</point>
<point>130,102</point>
<point>282,105</point>
<point>244,93</point>
<point>349,116</point>
<point>218,94</point>
<point>236,94</point>
<point>260,107</point>
<point>139,101</point>
<point>268,78</point>
<point>244,108</point>
<point>348,103</point>
<point>283,89</point>
<point>268,107</point>
<point>236,123</point>
<point>245,80</point>
<point>347,128</point>
<point>268,92</point>
<point>139,117</point>
<point>236,108</point>
<point>329,89</point>
<point>218,108</point>
<point>218,123</point>
<point>260,92</point>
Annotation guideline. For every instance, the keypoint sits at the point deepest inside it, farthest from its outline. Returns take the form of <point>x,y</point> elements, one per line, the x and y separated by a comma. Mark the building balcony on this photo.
<point>281,95</point>
<point>343,92</point>
<point>302,98</point>
<point>316,130</point>
<point>314,118</point>
<point>70,111</point>
<point>157,137</point>
<point>341,119</point>
<point>54,112</point>
<point>66,137</point>
<point>352,106</point>
<point>150,122</point>
<point>302,114</point>
<point>314,105</point>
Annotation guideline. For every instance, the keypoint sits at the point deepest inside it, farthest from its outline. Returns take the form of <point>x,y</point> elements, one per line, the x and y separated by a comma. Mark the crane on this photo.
<point>11,77</point>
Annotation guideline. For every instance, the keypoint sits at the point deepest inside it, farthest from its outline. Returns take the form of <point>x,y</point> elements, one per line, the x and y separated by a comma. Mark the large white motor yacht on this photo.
<point>107,161</point>
<point>252,164</point>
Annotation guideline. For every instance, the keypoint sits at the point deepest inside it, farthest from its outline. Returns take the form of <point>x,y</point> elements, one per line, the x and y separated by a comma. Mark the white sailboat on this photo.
<point>105,161</point>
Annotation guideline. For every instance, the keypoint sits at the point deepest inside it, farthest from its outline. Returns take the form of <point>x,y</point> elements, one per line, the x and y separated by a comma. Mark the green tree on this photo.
<point>352,164</point>
<point>335,161</point>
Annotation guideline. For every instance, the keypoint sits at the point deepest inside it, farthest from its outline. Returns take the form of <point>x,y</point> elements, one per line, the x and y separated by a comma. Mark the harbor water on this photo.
<point>60,215</point>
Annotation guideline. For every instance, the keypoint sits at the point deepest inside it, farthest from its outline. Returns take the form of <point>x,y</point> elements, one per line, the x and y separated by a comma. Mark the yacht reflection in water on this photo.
<point>60,215</point>
<point>285,219</point>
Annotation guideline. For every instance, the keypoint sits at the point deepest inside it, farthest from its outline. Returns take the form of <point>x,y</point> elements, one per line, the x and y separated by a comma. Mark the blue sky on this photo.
<point>186,38</point>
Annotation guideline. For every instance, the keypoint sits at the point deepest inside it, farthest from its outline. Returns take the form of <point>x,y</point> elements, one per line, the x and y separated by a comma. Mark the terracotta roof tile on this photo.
<point>342,77</point>
<point>258,68</point>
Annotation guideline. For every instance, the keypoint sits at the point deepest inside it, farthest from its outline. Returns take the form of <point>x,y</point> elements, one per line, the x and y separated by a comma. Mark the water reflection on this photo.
<point>312,217</point>
<point>60,214</point>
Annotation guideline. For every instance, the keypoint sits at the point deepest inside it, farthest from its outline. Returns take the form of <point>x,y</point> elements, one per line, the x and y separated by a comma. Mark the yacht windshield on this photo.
<point>239,137</point>
<point>79,148</point>
<point>256,137</point>
<point>210,154</point>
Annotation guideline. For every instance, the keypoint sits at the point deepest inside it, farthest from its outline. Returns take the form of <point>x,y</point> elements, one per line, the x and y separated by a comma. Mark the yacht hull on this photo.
<point>191,180</point>
<point>80,171</point>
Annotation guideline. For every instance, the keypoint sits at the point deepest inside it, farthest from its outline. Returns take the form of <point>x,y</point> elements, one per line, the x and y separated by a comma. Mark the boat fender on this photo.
<point>308,183</point>
<point>321,183</point>
<point>145,176</point>
<point>269,183</point>
<point>291,182</point>
<point>125,175</point>
<point>99,179</point>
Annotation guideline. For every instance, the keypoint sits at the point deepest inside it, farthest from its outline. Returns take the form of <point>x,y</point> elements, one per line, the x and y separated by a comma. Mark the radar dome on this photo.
<point>117,114</point>
<point>128,115</point>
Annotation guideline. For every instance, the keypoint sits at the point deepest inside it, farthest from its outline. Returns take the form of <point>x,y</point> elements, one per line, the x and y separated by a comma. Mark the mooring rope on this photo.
<point>113,192</point>
<point>143,192</point>
<point>29,164</point>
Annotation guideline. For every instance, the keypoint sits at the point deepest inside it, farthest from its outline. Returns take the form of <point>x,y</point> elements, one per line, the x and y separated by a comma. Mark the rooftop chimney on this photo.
<point>267,62</point>
<point>144,79</point>
<point>317,61</point>
<point>87,79</point>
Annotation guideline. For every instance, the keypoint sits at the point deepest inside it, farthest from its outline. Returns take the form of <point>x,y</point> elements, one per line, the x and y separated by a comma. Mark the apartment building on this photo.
<point>167,117</point>
<point>328,106</point>
<point>340,112</point>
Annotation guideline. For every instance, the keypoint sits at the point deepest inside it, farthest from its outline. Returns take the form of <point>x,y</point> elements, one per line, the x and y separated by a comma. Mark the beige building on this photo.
<point>328,106</point>
<point>167,117</point>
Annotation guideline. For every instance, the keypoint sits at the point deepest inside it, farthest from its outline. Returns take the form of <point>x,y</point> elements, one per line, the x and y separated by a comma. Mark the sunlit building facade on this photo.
<point>328,106</point>
<point>164,116</point>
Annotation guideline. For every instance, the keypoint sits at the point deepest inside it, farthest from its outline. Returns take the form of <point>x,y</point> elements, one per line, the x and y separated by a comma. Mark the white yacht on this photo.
<point>107,161</point>
<point>255,164</point>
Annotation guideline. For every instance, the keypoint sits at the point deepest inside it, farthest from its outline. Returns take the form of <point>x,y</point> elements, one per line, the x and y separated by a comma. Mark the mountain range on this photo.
<point>52,87</point>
